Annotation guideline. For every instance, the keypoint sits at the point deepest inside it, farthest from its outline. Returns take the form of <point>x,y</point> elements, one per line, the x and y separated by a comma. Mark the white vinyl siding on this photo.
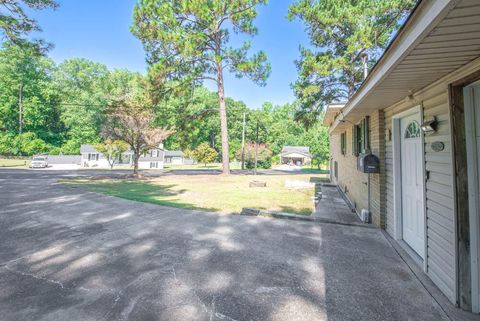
<point>440,227</point>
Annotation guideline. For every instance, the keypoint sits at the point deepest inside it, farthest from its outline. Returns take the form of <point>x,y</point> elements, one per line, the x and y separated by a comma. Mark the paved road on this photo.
<point>72,255</point>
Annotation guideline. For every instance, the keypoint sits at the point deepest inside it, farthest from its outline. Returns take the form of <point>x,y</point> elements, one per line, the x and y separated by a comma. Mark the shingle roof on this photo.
<point>87,148</point>
<point>149,157</point>
<point>304,150</point>
<point>174,153</point>
<point>298,149</point>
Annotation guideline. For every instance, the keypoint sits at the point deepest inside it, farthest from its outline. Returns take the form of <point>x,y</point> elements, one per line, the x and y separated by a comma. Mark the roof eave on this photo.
<point>421,21</point>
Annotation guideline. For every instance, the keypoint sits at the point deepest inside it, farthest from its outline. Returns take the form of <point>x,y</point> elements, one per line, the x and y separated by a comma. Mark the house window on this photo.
<point>360,141</point>
<point>153,164</point>
<point>92,157</point>
<point>343,143</point>
<point>335,169</point>
<point>413,130</point>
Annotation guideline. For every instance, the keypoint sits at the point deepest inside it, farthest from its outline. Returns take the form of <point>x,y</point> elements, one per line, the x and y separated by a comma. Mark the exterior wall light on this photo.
<point>429,125</point>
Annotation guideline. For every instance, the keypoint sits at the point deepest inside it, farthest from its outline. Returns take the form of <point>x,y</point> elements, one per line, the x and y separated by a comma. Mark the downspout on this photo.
<point>367,139</point>
<point>367,147</point>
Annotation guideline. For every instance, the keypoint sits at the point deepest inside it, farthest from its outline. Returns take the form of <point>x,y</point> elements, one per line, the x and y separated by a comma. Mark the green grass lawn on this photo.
<point>14,162</point>
<point>234,166</point>
<point>201,166</point>
<point>308,170</point>
<point>225,194</point>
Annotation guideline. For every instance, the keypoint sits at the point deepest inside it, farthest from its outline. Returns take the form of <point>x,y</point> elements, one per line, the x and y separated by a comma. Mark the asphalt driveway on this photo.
<point>71,255</point>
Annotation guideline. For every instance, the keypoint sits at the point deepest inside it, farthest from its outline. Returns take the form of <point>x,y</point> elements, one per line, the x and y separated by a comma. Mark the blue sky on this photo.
<point>99,31</point>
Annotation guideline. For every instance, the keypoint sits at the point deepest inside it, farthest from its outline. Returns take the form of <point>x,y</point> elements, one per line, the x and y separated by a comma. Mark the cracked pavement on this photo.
<point>67,254</point>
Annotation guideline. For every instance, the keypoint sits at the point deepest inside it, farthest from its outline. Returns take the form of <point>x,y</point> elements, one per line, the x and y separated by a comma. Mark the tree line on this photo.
<point>54,108</point>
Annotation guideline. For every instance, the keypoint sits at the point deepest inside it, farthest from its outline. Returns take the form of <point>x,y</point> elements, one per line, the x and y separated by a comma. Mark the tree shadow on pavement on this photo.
<point>72,255</point>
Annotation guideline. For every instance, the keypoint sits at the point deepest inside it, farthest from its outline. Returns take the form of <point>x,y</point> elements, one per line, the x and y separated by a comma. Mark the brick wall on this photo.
<point>350,180</point>
<point>377,183</point>
<point>353,182</point>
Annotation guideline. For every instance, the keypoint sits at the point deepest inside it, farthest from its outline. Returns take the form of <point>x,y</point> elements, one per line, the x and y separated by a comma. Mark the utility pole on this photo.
<point>20,108</point>
<point>256,151</point>
<point>243,143</point>
<point>212,139</point>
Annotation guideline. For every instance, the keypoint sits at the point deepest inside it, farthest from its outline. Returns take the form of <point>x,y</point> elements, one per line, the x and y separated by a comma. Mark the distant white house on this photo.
<point>296,155</point>
<point>177,157</point>
<point>174,157</point>
<point>90,157</point>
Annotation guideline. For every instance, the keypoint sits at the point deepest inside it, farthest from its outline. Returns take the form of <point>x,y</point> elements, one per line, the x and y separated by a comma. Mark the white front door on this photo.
<point>472,127</point>
<point>413,220</point>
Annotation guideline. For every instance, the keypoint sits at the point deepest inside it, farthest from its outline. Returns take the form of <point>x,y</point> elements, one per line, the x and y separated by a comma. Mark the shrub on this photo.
<point>264,157</point>
<point>26,144</point>
<point>204,154</point>
<point>264,164</point>
<point>71,147</point>
<point>29,144</point>
<point>275,159</point>
<point>7,146</point>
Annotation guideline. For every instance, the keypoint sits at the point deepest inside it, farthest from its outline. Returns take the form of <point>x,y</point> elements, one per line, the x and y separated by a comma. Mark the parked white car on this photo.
<point>39,162</point>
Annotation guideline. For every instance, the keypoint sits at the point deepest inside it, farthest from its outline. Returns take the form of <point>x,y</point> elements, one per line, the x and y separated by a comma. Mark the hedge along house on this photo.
<point>418,111</point>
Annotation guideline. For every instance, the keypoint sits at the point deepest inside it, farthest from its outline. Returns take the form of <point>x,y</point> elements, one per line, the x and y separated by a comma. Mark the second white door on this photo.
<point>413,220</point>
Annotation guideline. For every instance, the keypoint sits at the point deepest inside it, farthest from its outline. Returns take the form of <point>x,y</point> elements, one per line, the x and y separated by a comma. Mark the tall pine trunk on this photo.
<point>20,108</point>
<point>223,121</point>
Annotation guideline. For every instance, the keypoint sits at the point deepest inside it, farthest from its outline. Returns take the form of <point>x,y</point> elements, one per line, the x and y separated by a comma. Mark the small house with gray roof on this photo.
<point>174,157</point>
<point>296,155</point>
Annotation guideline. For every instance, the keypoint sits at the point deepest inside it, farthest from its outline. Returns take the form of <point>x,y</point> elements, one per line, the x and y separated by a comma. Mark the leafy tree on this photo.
<point>188,41</point>
<point>15,23</point>
<point>130,118</point>
<point>85,88</point>
<point>29,144</point>
<point>195,120</point>
<point>112,150</point>
<point>317,138</point>
<point>204,154</point>
<point>278,128</point>
<point>25,144</point>
<point>29,100</point>
<point>262,154</point>
<point>6,144</point>
<point>346,33</point>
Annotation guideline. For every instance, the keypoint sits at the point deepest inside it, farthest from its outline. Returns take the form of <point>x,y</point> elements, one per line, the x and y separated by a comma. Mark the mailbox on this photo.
<point>368,163</point>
